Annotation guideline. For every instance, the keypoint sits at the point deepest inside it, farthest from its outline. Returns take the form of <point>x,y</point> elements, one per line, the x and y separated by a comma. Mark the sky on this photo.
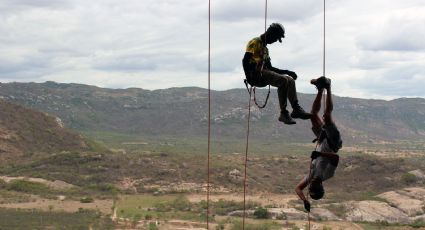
<point>374,49</point>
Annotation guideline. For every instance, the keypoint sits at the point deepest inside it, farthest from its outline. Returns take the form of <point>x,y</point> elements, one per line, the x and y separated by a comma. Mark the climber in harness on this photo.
<point>324,160</point>
<point>259,72</point>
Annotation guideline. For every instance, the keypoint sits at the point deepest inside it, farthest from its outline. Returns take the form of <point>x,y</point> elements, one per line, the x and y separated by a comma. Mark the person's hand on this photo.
<point>315,154</point>
<point>292,74</point>
<point>307,205</point>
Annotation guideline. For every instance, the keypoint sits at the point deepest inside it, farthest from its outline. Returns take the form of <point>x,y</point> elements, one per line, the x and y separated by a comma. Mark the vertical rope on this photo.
<point>247,132</point>
<point>265,18</point>
<point>209,109</point>
<point>324,37</point>
<point>246,159</point>
<point>324,48</point>
<point>323,95</point>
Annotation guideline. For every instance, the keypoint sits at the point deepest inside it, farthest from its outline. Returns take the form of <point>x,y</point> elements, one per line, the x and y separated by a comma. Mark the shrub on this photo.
<point>105,187</point>
<point>86,200</point>
<point>27,187</point>
<point>417,224</point>
<point>3,184</point>
<point>181,203</point>
<point>261,213</point>
<point>152,226</point>
<point>220,227</point>
<point>408,178</point>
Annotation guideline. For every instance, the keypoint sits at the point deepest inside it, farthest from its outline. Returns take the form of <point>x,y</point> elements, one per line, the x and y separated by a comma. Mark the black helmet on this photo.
<point>277,29</point>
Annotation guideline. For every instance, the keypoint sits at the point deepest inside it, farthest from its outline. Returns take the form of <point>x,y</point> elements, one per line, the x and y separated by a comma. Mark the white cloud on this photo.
<point>372,50</point>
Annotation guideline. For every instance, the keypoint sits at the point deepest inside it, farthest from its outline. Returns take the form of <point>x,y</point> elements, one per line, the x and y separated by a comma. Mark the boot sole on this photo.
<point>306,117</point>
<point>288,123</point>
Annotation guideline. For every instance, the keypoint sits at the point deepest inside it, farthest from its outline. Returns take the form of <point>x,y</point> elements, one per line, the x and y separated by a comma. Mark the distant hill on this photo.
<point>182,112</point>
<point>26,131</point>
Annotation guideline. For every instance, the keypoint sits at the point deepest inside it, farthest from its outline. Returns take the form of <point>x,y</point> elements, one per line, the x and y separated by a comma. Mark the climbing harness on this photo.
<point>255,98</point>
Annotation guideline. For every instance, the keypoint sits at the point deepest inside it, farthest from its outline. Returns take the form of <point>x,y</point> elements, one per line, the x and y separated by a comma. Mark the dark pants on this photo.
<point>284,83</point>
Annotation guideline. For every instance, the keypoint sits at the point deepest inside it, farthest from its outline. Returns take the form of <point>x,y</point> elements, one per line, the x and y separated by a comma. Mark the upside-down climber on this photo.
<point>259,72</point>
<point>325,158</point>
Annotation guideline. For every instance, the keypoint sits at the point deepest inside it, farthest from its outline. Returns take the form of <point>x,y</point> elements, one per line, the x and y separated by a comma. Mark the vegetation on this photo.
<point>28,187</point>
<point>264,225</point>
<point>86,200</point>
<point>157,207</point>
<point>261,213</point>
<point>158,154</point>
<point>32,219</point>
<point>408,178</point>
<point>173,206</point>
<point>418,224</point>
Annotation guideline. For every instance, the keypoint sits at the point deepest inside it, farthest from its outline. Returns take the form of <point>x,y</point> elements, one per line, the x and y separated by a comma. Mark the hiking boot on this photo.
<point>299,112</point>
<point>285,118</point>
<point>321,83</point>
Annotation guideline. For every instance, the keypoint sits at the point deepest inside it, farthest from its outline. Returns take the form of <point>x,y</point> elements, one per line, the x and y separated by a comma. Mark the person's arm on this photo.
<point>269,66</point>
<point>246,63</point>
<point>300,187</point>
<point>299,190</point>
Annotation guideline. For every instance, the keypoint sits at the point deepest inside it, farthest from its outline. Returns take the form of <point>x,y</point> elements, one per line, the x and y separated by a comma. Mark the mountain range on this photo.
<point>183,112</point>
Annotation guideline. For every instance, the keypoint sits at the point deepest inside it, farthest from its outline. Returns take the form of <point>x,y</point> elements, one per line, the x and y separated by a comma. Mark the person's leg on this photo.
<point>281,82</point>
<point>292,92</point>
<point>282,95</point>
<point>297,110</point>
<point>332,133</point>
<point>316,121</point>
<point>328,107</point>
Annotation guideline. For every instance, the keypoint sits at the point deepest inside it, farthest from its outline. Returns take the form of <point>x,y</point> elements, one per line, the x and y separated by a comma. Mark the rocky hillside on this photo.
<point>183,112</point>
<point>404,206</point>
<point>24,130</point>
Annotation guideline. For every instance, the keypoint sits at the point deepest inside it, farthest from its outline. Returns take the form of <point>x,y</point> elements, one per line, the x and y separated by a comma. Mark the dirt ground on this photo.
<point>279,200</point>
<point>103,206</point>
<point>286,225</point>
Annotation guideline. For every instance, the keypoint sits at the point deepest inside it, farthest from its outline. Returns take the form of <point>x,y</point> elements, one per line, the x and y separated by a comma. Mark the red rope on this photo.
<point>246,159</point>
<point>209,109</point>
<point>308,194</point>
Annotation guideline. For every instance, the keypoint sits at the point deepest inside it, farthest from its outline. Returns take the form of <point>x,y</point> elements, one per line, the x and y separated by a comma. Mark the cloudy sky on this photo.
<point>375,48</point>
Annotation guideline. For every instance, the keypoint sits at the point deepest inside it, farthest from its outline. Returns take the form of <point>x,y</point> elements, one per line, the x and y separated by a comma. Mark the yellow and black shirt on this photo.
<point>259,52</point>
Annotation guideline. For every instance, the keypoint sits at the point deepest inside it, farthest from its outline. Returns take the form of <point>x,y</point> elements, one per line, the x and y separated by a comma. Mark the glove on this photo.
<point>292,74</point>
<point>315,154</point>
<point>307,205</point>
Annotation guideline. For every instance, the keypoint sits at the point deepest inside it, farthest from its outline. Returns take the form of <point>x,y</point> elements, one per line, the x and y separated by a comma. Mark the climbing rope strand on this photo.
<point>246,159</point>
<point>265,18</point>
<point>209,109</point>
<point>252,89</point>
<point>262,63</point>
<point>309,177</point>
<point>323,95</point>
<point>265,102</point>
<point>324,37</point>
